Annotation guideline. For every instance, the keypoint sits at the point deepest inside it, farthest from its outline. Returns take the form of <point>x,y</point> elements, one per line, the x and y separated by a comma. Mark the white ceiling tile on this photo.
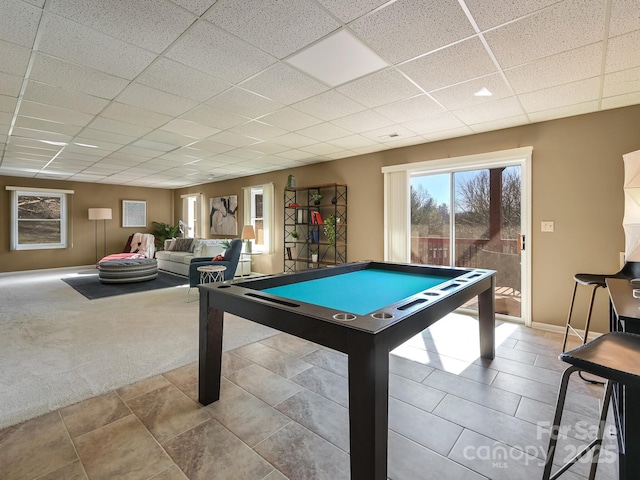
<point>322,149</point>
<point>348,11</point>
<point>116,126</point>
<point>290,119</point>
<point>279,27</point>
<point>206,148</point>
<point>14,58</point>
<point>257,129</point>
<point>37,3</point>
<point>245,153</point>
<point>269,148</point>
<point>139,151</point>
<point>329,106</point>
<point>499,124</point>
<point>7,103</point>
<point>454,133</point>
<point>4,130</point>
<point>380,88</point>
<point>19,22</point>
<point>196,6</point>
<point>40,135</point>
<point>565,67</point>
<point>623,82</point>
<point>362,121</point>
<point>503,108</point>
<point>624,17</point>
<point>564,26</point>
<point>104,136</point>
<point>10,84</point>
<point>88,151</point>
<point>353,141</point>
<point>560,96</point>
<point>128,156</point>
<point>623,52</point>
<point>181,80</point>
<point>457,63</point>
<point>65,39</point>
<point>423,25</point>
<point>293,140</point>
<point>54,114</point>
<point>189,129</point>
<point>496,12</point>
<point>434,123</point>
<point>324,132</point>
<point>56,127</point>
<point>169,137</point>
<point>561,112</point>
<point>405,142</point>
<point>135,115</point>
<point>150,25</point>
<point>59,97</point>
<point>284,84</point>
<point>207,48</point>
<point>213,118</point>
<point>243,102</point>
<point>410,109</point>
<point>233,139</point>
<point>621,100</point>
<point>389,134</point>
<point>61,73</point>
<point>5,118</point>
<point>294,155</point>
<point>155,100</point>
<point>462,94</point>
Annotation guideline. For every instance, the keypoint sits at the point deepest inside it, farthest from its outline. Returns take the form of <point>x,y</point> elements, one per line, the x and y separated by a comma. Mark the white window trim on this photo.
<point>267,214</point>
<point>64,218</point>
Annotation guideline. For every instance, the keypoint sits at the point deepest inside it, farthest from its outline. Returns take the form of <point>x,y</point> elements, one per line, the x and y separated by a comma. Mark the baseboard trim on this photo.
<point>559,329</point>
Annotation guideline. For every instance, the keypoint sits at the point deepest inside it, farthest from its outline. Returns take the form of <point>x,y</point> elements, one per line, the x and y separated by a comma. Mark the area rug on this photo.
<point>92,288</point>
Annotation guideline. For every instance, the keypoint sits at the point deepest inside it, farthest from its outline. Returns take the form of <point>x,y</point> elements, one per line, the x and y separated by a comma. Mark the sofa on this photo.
<point>179,252</point>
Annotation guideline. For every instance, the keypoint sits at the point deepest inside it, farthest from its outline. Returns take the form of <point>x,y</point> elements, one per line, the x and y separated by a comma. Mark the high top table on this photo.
<point>625,317</point>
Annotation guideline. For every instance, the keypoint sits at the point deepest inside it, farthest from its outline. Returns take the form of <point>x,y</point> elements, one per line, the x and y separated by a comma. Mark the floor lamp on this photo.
<point>103,214</point>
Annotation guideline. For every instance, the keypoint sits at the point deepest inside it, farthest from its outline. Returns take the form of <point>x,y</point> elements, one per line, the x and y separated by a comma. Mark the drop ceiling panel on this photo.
<point>155,100</point>
<point>499,124</point>
<point>290,119</point>
<point>565,67</point>
<point>329,106</point>
<point>56,127</point>
<point>7,103</point>
<point>171,138</point>
<point>196,6</point>
<point>324,132</point>
<point>181,80</point>
<point>189,129</point>
<point>621,83</point>
<point>213,118</point>
<point>348,11</point>
<point>322,149</point>
<point>456,63</point>
<point>54,114</point>
<point>269,148</point>
<point>563,95</point>
<point>242,102</point>
<point>59,97</point>
<point>388,134</point>
<point>352,141</point>
<point>621,100</point>
<point>463,94</point>
<point>14,58</point>
<point>624,17</point>
<point>257,129</point>
<point>565,26</point>
<point>443,135</point>
<point>19,22</point>
<point>380,88</point>
<point>10,84</point>
<point>564,112</point>
<point>435,123</point>
<point>424,26</point>
<point>106,136</point>
<point>279,27</point>
<point>245,153</point>
<point>497,12</point>
<point>362,121</point>
<point>284,84</point>
<point>487,112</point>
<point>135,115</point>
<point>233,139</point>
<point>623,52</point>
<point>293,140</point>
<point>116,126</point>
<point>61,73</point>
<point>410,109</point>
<point>207,148</point>
<point>209,49</point>
<point>73,42</point>
<point>150,25</point>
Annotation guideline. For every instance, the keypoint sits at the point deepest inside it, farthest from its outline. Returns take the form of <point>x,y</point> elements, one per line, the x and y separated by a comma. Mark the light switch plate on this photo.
<point>547,227</point>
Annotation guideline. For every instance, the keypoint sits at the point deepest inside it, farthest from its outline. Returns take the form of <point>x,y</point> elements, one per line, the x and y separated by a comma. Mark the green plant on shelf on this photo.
<point>294,234</point>
<point>330,229</point>
<point>317,197</point>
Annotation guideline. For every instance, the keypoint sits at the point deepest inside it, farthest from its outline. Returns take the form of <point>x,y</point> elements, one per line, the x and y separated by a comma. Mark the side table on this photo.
<point>209,274</point>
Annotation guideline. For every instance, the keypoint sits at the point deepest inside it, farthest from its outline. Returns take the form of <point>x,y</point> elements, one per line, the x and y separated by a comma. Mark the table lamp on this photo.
<point>248,234</point>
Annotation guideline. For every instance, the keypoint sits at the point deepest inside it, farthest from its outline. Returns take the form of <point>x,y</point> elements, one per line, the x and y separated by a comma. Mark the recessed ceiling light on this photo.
<point>337,59</point>
<point>483,92</point>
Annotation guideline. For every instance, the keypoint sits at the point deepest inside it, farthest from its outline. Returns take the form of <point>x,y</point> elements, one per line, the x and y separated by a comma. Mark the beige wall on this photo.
<point>81,250</point>
<point>577,182</point>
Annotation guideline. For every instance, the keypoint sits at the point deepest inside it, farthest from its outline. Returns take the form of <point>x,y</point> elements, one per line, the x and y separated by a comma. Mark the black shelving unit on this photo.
<point>302,214</point>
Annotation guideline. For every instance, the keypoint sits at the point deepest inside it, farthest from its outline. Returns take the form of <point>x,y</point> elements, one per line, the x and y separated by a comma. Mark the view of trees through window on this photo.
<point>39,219</point>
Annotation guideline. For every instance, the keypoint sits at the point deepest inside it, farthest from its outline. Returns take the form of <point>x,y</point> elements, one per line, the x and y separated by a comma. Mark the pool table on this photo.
<point>363,309</point>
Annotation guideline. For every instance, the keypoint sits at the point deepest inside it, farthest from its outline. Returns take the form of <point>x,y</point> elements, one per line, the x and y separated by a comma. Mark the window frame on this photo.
<point>16,193</point>
<point>268,224</point>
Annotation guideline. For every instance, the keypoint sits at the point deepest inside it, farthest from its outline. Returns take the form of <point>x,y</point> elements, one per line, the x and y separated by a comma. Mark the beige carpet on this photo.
<point>57,347</point>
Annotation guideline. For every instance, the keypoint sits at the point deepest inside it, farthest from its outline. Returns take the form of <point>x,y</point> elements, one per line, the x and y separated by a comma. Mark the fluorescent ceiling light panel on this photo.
<point>337,59</point>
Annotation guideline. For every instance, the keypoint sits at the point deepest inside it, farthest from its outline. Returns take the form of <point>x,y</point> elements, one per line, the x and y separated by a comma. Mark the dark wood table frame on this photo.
<point>625,317</point>
<point>366,340</point>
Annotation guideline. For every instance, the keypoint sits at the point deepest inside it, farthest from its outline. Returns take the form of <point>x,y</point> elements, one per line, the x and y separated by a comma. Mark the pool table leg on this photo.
<point>368,409</point>
<point>487,320</point>
<point>210,357</point>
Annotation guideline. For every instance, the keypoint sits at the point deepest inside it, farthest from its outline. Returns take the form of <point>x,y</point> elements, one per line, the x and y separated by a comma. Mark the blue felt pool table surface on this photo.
<point>361,292</point>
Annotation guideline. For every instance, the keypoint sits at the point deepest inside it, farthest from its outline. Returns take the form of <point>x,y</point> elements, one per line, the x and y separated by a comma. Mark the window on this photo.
<point>38,219</point>
<point>258,211</point>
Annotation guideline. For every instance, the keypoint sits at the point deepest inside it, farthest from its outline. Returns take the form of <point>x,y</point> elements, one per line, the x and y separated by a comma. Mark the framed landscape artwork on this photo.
<point>134,213</point>
<point>222,215</point>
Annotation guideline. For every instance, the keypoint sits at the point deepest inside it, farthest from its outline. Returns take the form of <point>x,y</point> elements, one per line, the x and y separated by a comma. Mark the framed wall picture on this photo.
<point>222,215</point>
<point>134,213</point>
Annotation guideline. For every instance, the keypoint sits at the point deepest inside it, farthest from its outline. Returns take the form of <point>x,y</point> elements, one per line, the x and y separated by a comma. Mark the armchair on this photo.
<point>231,258</point>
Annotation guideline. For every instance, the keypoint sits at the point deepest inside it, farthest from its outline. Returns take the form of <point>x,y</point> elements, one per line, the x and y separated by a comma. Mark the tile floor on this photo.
<point>283,414</point>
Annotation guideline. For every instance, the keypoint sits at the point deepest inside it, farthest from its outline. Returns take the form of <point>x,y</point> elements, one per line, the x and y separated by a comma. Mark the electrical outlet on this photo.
<point>546,227</point>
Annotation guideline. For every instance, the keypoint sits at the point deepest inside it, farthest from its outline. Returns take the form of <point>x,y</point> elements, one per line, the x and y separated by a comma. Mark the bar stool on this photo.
<point>629,270</point>
<point>613,356</point>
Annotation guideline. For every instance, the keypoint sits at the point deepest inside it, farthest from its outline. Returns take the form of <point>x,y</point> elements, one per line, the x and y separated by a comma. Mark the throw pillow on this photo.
<point>172,245</point>
<point>218,258</point>
<point>183,244</point>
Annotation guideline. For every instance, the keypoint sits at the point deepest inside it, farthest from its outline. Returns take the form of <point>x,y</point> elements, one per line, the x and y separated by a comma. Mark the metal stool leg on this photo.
<point>555,429</point>
<point>587,322</point>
